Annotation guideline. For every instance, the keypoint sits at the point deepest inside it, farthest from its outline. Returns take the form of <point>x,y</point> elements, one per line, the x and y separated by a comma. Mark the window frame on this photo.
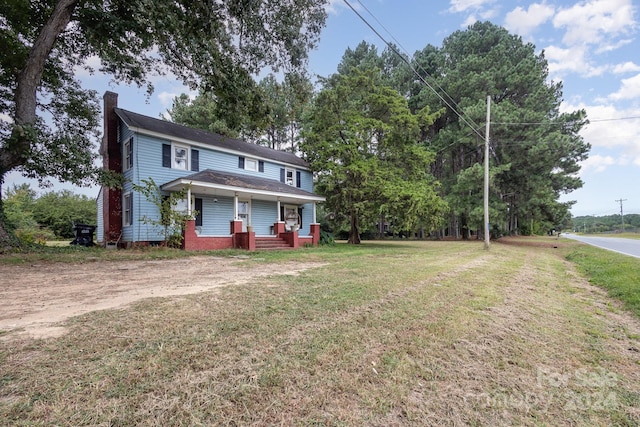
<point>187,156</point>
<point>250,161</point>
<point>128,154</point>
<point>293,182</point>
<point>127,209</point>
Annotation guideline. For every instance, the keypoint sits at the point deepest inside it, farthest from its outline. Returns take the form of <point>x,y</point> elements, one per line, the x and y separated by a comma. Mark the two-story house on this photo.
<point>243,195</point>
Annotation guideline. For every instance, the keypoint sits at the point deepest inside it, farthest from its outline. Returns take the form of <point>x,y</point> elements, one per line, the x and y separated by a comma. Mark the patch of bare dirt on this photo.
<point>35,299</point>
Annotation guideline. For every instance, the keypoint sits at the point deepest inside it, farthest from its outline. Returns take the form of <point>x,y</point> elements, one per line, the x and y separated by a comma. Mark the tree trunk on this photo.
<point>15,151</point>
<point>354,235</point>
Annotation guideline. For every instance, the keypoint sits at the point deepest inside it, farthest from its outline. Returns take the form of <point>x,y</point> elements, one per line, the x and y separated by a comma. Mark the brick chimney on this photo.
<point>112,160</point>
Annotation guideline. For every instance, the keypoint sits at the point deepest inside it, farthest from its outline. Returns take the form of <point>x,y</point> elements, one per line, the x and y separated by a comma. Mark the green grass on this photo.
<point>384,333</point>
<point>618,274</point>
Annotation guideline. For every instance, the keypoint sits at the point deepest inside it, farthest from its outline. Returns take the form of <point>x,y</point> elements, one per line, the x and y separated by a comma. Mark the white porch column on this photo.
<point>235,207</point>
<point>189,210</point>
<point>278,211</point>
<point>314,213</point>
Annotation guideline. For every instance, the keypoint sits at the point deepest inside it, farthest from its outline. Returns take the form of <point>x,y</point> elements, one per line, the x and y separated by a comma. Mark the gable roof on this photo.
<point>149,125</point>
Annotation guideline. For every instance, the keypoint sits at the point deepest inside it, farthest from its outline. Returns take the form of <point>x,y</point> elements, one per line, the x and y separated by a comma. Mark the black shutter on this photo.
<point>195,160</point>
<point>240,162</point>
<point>281,213</point>
<point>198,207</point>
<point>300,216</point>
<point>166,155</point>
<point>298,179</point>
<point>281,175</point>
<point>260,166</point>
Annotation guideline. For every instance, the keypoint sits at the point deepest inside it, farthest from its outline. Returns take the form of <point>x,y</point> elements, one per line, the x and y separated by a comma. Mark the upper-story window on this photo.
<point>290,177</point>
<point>178,156</point>
<point>250,164</point>
<point>128,154</point>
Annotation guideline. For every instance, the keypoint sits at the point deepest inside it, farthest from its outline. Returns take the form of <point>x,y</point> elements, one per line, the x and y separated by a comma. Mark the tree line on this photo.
<point>395,141</point>
<point>606,223</point>
<point>48,216</point>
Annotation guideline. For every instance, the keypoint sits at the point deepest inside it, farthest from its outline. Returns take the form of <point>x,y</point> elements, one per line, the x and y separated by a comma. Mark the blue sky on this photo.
<point>591,46</point>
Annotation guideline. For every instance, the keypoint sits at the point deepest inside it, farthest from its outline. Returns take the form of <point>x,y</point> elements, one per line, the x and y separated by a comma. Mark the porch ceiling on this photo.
<point>223,184</point>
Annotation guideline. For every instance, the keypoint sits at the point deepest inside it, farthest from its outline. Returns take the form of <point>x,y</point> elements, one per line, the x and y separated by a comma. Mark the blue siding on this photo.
<point>216,216</point>
<point>147,162</point>
<point>263,215</point>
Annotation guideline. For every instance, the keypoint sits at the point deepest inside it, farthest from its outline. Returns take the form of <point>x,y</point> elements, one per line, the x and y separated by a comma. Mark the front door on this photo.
<point>243,213</point>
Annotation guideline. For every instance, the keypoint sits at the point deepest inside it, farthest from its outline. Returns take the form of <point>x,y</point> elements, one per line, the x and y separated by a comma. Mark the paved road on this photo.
<point>629,247</point>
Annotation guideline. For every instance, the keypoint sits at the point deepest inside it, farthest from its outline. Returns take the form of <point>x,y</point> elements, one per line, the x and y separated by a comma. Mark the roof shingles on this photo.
<point>173,130</point>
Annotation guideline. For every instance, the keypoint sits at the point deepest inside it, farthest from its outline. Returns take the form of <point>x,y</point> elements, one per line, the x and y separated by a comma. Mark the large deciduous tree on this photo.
<point>47,119</point>
<point>364,142</point>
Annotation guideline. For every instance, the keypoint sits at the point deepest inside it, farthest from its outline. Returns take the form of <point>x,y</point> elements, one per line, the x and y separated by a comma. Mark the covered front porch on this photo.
<point>238,211</point>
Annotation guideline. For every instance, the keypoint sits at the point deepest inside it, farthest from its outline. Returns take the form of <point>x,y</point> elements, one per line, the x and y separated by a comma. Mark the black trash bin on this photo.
<point>84,234</point>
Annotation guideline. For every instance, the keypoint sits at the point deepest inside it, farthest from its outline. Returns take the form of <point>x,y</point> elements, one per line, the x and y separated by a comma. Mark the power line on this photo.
<point>406,61</point>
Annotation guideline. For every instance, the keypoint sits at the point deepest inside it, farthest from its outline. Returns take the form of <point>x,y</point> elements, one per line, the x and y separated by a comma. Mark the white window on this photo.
<point>251,164</point>
<point>290,177</point>
<point>127,209</point>
<point>180,157</point>
<point>128,154</point>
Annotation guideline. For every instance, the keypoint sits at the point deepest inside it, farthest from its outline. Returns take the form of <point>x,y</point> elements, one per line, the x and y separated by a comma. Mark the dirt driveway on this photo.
<point>34,299</point>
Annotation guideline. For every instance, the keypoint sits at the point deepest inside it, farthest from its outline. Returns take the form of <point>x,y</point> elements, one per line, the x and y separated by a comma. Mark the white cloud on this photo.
<point>524,22</point>
<point>627,67</point>
<point>612,130</point>
<point>596,163</point>
<point>464,5</point>
<point>471,19</point>
<point>593,21</point>
<point>630,89</point>
<point>571,60</point>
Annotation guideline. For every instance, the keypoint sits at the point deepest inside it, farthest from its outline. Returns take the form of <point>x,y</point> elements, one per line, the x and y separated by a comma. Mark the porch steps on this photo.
<point>269,243</point>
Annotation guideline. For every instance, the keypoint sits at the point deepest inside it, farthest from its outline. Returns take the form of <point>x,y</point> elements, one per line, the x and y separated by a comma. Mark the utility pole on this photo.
<point>621,213</point>
<point>486,177</point>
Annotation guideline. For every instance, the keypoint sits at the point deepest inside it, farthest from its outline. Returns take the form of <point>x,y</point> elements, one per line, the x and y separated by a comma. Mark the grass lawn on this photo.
<point>384,334</point>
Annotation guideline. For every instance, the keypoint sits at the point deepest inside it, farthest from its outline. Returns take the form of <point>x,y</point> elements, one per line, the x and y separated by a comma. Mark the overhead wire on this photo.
<point>406,61</point>
<point>463,116</point>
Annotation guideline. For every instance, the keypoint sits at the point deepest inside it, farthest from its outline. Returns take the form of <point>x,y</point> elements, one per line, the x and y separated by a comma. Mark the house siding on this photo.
<point>217,211</point>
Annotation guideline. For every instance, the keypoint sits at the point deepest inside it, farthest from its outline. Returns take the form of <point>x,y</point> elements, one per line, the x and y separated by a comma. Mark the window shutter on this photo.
<point>281,213</point>
<point>281,175</point>
<point>300,216</point>
<point>166,155</point>
<point>260,166</point>
<point>298,179</point>
<point>240,162</point>
<point>198,207</point>
<point>195,160</point>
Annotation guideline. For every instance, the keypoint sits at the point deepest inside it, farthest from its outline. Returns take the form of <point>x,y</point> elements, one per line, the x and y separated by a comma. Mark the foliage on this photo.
<point>286,102</point>
<point>59,210</point>
<point>535,149</point>
<point>599,224</point>
<point>49,122</point>
<point>169,218</point>
<point>364,143</point>
<point>51,215</point>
